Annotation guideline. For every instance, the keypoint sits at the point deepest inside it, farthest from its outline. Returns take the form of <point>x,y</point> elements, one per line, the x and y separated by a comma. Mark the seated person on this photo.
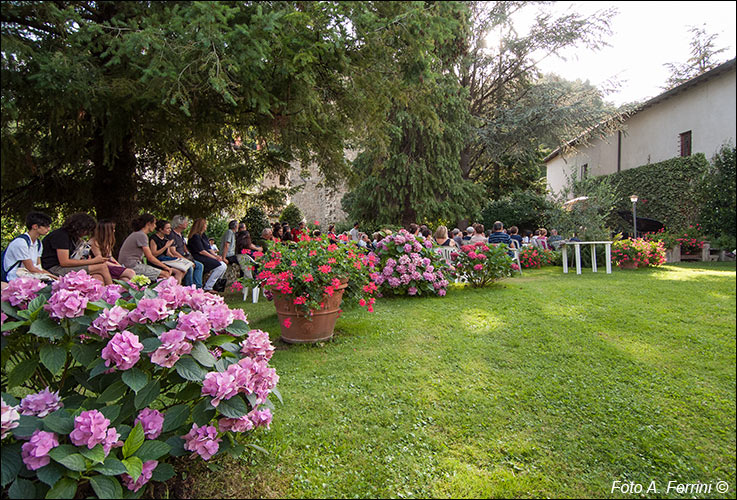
<point>23,255</point>
<point>62,242</point>
<point>527,238</point>
<point>136,246</point>
<point>457,237</point>
<point>227,243</point>
<point>179,250</point>
<point>514,234</point>
<point>213,246</point>
<point>442,239</point>
<point>468,234</point>
<point>102,243</point>
<point>478,234</point>
<point>543,238</point>
<point>554,239</point>
<point>499,236</point>
<point>200,248</point>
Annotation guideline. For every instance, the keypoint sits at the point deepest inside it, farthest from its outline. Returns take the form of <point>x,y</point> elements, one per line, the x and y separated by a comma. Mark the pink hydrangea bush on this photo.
<point>481,264</point>
<point>408,266</point>
<point>115,367</point>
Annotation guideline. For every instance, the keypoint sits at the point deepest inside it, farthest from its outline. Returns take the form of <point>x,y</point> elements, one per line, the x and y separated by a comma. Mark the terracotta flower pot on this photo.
<point>628,265</point>
<point>303,329</point>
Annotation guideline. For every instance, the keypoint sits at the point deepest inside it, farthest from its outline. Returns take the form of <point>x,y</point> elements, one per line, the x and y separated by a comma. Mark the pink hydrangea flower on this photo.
<point>220,316</point>
<point>239,314</point>
<point>10,419</point>
<point>92,428</point>
<point>22,290</point>
<point>202,441</point>
<point>3,317</point>
<point>200,299</point>
<point>220,385</point>
<point>241,424</point>
<point>66,304</point>
<point>258,345</point>
<point>412,290</point>
<point>195,325</point>
<point>123,350</point>
<point>260,418</point>
<point>146,473</point>
<point>109,320</point>
<point>112,293</point>
<point>173,346</point>
<point>152,422</point>
<point>40,404</point>
<point>174,294</point>
<point>35,453</point>
<point>81,282</point>
<point>150,310</point>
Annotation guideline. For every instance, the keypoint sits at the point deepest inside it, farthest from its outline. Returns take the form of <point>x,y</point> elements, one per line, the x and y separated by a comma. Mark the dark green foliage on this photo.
<point>524,209</point>
<point>718,194</point>
<point>292,215</point>
<point>216,227</point>
<point>255,220</point>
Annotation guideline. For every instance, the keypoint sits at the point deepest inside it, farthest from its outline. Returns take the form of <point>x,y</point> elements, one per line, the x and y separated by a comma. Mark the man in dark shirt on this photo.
<point>514,234</point>
<point>179,224</point>
<point>498,235</point>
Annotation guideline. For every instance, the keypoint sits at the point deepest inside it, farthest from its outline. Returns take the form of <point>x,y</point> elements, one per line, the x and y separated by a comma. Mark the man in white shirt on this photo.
<point>355,234</point>
<point>23,255</point>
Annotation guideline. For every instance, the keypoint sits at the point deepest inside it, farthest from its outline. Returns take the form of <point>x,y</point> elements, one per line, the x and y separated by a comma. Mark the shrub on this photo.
<point>531,257</point>
<point>292,215</point>
<point>524,209</point>
<point>118,379</point>
<point>725,242</point>
<point>307,270</point>
<point>642,252</point>
<point>216,227</point>
<point>408,266</point>
<point>482,264</point>
<point>255,220</point>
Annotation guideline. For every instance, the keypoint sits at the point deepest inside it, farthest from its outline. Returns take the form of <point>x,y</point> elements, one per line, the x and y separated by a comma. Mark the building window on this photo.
<point>585,171</point>
<point>686,143</point>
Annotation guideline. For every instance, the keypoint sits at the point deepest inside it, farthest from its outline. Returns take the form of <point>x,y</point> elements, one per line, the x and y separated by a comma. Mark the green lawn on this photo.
<point>542,386</point>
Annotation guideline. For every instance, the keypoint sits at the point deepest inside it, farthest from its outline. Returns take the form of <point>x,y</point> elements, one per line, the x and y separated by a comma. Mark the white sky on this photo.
<point>645,36</point>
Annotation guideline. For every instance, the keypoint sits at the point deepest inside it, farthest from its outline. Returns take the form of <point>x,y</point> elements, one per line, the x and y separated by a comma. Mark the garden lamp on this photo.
<point>633,199</point>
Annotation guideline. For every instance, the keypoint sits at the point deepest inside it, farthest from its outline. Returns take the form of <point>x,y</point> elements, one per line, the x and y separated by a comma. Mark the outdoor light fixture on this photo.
<point>634,199</point>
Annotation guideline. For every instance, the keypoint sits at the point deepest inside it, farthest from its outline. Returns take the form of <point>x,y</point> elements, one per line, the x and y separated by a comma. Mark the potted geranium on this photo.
<point>631,254</point>
<point>309,280</point>
<point>692,243</point>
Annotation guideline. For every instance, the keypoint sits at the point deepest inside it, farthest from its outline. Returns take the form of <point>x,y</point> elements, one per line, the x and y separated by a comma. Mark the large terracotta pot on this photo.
<point>304,329</point>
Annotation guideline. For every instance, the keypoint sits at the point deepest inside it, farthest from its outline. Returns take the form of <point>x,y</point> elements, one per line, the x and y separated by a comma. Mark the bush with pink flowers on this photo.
<point>408,266</point>
<point>118,379</point>
<point>640,252</point>
<point>481,264</point>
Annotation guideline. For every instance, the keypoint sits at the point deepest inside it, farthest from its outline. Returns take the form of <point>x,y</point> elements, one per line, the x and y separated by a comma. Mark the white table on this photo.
<point>577,245</point>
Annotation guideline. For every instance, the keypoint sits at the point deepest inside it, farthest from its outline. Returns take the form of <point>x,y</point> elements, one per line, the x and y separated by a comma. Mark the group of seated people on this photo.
<point>166,252</point>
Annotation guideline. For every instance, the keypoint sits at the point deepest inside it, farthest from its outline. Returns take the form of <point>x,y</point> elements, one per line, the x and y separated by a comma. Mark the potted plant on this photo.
<point>309,280</point>
<point>692,243</point>
<point>631,254</point>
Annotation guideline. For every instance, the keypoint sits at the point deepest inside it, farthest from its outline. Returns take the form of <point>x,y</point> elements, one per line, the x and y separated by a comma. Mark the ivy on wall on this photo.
<point>668,191</point>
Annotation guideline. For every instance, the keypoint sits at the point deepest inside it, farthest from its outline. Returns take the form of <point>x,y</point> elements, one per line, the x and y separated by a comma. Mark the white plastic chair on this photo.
<point>446,252</point>
<point>246,261</point>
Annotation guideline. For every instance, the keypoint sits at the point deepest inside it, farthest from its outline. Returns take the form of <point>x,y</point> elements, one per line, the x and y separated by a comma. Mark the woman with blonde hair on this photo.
<point>543,238</point>
<point>102,243</point>
<point>441,237</point>
<point>199,246</point>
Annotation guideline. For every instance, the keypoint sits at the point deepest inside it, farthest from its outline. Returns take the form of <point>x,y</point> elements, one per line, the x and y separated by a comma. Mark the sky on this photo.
<point>646,35</point>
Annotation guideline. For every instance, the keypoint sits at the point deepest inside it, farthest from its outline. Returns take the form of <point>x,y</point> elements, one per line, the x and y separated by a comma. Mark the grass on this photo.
<point>548,385</point>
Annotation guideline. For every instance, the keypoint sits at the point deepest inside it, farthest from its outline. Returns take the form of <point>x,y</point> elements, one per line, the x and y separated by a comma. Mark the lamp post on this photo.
<point>633,199</point>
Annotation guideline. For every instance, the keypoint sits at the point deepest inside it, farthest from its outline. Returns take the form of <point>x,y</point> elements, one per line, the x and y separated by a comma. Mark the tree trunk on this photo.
<point>115,192</point>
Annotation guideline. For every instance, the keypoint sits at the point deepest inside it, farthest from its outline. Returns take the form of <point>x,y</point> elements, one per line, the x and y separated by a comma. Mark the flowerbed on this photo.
<point>640,252</point>
<point>307,271</point>
<point>692,240</point>
<point>481,264</point>
<point>408,266</point>
<point>119,378</point>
